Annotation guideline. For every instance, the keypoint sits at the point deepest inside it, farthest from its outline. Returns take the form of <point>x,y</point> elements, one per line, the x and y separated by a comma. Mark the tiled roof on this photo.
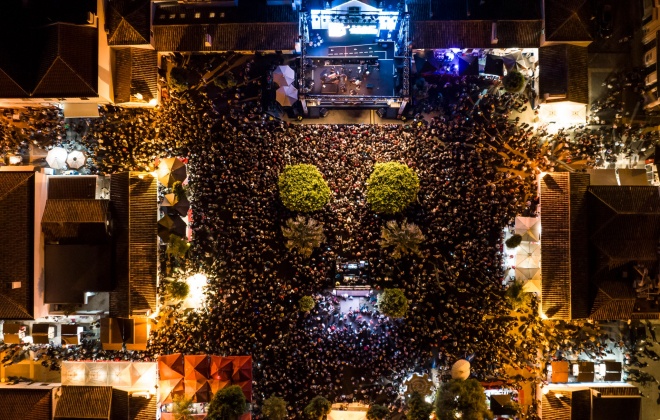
<point>567,21</point>
<point>247,11</point>
<point>136,71</point>
<point>66,187</point>
<point>128,22</point>
<point>478,9</point>
<point>615,300</point>
<point>625,222</point>
<point>84,402</point>
<point>566,404</point>
<point>564,72</point>
<point>607,391</point>
<point>75,211</point>
<point>26,404</point>
<point>134,203</point>
<point>68,64</point>
<point>16,249</point>
<point>227,37</point>
<point>475,34</point>
<point>9,88</point>
<point>565,246</point>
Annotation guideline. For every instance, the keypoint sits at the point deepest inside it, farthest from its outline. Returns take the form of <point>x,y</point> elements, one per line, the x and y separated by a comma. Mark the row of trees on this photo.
<point>391,188</point>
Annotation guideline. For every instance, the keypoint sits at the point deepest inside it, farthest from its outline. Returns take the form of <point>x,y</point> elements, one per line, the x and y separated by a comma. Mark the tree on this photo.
<point>514,81</point>
<point>391,187</point>
<point>178,290</point>
<point>177,248</point>
<point>513,242</point>
<point>393,303</point>
<point>227,404</point>
<point>306,303</point>
<point>303,235</point>
<point>516,296</point>
<point>377,412</point>
<point>318,408</point>
<point>463,399</point>
<point>302,188</point>
<point>179,191</point>
<point>182,408</point>
<point>418,408</point>
<point>179,78</point>
<point>274,408</point>
<point>405,238</point>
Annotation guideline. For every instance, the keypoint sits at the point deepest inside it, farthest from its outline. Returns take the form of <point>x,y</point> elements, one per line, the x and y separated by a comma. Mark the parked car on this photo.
<point>606,21</point>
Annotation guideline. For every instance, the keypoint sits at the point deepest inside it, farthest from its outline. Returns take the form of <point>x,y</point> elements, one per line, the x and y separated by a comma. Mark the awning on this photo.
<point>85,110</point>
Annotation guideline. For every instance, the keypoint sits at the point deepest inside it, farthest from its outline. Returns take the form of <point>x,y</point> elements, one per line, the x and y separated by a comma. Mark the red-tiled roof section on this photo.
<point>68,65</point>
<point>128,22</point>
<point>564,72</point>
<point>615,300</point>
<point>227,37</point>
<point>567,21</point>
<point>475,34</point>
<point>84,402</point>
<point>26,404</point>
<point>136,71</point>
<point>16,250</point>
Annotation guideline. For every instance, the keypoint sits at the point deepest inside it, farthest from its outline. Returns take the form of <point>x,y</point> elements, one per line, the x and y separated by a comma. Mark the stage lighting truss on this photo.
<point>375,19</point>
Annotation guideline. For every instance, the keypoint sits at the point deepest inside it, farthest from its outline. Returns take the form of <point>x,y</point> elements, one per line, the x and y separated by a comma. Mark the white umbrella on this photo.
<point>56,158</point>
<point>76,159</point>
<point>528,255</point>
<point>529,228</point>
<point>286,95</point>
<point>284,75</point>
<point>523,274</point>
<point>532,286</point>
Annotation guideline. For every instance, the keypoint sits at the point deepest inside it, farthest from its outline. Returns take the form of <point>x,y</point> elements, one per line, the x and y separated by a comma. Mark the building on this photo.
<point>591,402</point>
<point>599,248</point>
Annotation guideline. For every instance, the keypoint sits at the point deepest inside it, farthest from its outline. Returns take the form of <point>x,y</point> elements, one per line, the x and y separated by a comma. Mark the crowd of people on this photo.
<point>477,167</point>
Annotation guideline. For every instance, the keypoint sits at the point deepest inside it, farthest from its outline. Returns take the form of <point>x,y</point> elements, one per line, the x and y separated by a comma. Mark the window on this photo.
<point>182,15</point>
<point>198,15</point>
<point>212,14</point>
<point>172,16</point>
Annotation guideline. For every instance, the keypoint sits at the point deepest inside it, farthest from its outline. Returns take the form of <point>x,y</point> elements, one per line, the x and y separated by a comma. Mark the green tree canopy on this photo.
<point>462,398</point>
<point>227,404</point>
<point>181,78</point>
<point>514,81</point>
<point>274,408</point>
<point>318,408</point>
<point>513,242</point>
<point>182,409</point>
<point>306,303</point>
<point>177,248</point>
<point>377,412</point>
<point>393,303</point>
<point>303,189</point>
<point>404,238</point>
<point>391,187</point>
<point>517,297</point>
<point>418,408</point>
<point>178,290</point>
<point>303,235</point>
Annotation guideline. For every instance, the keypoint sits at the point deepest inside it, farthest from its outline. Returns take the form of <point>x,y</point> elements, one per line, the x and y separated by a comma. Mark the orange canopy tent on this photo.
<point>221,368</point>
<point>171,366</point>
<point>198,390</point>
<point>197,367</point>
<point>169,388</point>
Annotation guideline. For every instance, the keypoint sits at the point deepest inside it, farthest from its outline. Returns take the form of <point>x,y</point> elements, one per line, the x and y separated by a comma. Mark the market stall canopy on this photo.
<point>468,65</point>
<point>56,158</point>
<point>171,366</point>
<point>528,255</point>
<point>494,65</point>
<point>180,206</point>
<point>284,76</point>
<point>523,274</point>
<point>169,225</point>
<point>286,95</point>
<point>532,286</point>
<point>171,170</point>
<point>76,159</point>
<point>529,228</point>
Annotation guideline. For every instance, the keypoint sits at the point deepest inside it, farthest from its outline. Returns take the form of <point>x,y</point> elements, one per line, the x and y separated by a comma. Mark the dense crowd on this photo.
<point>477,167</point>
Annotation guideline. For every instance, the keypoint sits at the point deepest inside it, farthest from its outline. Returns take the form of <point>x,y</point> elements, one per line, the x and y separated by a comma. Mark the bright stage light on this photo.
<point>196,283</point>
<point>336,29</point>
<point>363,30</point>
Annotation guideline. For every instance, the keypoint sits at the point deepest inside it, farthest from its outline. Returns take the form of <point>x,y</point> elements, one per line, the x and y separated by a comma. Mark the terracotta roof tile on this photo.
<point>16,249</point>
<point>615,300</point>
<point>567,21</point>
<point>564,72</point>
<point>26,404</point>
<point>84,402</point>
<point>136,71</point>
<point>227,37</point>
<point>128,22</point>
